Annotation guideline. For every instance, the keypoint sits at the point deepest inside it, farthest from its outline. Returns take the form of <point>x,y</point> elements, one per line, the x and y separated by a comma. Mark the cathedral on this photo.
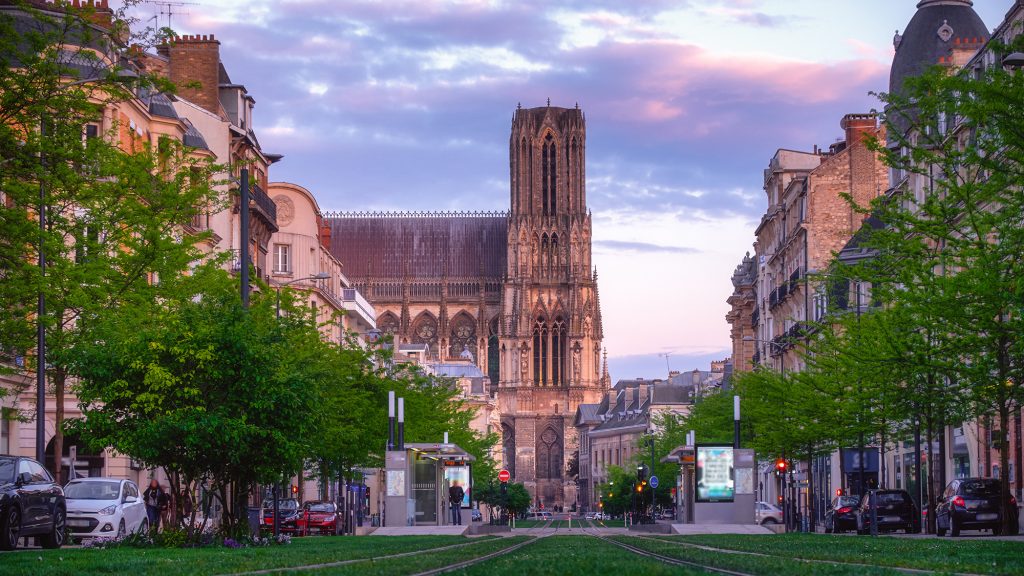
<point>516,291</point>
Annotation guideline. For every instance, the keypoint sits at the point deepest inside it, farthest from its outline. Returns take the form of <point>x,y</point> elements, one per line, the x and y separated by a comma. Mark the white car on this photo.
<point>104,508</point>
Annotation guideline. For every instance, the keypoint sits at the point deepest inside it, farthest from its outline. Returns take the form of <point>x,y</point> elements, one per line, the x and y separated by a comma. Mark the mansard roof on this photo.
<point>420,245</point>
<point>937,26</point>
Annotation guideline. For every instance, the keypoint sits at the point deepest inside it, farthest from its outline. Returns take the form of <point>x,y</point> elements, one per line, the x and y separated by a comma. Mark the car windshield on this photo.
<point>93,490</point>
<point>7,469</point>
<point>981,488</point>
<point>321,507</point>
<point>268,505</point>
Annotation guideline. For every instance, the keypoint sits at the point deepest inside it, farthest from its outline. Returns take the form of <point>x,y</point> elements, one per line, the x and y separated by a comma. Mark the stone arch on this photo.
<point>424,331</point>
<point>549,452</point>
<point>388,323</point>
<point>493,353</point>
<point>508,446</point>
<point>463,335</point>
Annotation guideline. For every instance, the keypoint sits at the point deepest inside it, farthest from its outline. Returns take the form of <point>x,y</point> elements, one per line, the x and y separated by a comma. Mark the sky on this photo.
<point>407,105</point>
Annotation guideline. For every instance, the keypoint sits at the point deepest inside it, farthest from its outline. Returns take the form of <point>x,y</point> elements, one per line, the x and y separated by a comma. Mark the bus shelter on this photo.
<point>417,480</point>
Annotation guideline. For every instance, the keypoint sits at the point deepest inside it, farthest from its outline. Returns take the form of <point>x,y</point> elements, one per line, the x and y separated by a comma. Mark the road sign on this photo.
<point>504,476</point>
<point>654,481</point>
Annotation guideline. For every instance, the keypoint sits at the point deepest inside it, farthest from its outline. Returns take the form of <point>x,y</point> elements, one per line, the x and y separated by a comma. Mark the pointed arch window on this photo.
<point>554,260</point>
<point>558,346</point>
<point>549,175</point>
<point>540,352</point>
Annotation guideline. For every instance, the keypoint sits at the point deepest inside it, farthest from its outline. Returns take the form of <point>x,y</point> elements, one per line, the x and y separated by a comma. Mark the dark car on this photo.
<point>320,517</point>
<point>973,504</point>
<point>894,510</point>
<point>841,515</point>
<point>289,508</point>
<point>31,504</point>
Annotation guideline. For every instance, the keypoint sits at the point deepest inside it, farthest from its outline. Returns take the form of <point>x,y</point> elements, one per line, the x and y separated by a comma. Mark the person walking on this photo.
<point>455,496</point>
<point>156,501</point>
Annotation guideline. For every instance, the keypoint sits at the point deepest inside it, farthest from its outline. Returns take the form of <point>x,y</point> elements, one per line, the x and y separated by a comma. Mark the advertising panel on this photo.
<point>714,474</point>
<point>460,473</point>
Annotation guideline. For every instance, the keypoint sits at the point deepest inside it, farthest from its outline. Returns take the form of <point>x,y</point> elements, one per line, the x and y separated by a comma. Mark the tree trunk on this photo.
<point>810,490</point>
<point>59,379</point>
<point>1004,464</point>
<point>930,515</point>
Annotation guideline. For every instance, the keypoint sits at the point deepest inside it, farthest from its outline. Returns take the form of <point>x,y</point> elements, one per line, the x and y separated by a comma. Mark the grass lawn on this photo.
<point>531,523</point>
<point>562,555</point>
<point>955,555</point>
<point>747,563</point>
<point>611,523</point>
<point>174,562</point>
<point>429,561</point>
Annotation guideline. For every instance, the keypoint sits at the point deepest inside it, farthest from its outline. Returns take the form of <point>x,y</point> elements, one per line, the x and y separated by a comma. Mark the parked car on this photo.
<point>540,515</point>
<point>841,515</point>
<point>765,513</point>
<point>894,510</point>
<point>289,508</point>
<point>104,507</point>
<point>973,504</point>
<point>319,516</point>
<point>31,504</point>
<point>476,515</point>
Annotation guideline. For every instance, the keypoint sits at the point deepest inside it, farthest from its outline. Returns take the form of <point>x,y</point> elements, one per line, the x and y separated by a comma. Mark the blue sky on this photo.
<point>406,105</point>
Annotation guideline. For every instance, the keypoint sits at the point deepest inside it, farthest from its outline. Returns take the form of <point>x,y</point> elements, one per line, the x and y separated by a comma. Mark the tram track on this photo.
<point>667,559</point>
<point>706,548</point>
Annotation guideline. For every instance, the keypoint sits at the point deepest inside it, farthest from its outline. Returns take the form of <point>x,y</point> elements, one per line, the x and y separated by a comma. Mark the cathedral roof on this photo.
<point>934,30</point>
<point>420,245</point>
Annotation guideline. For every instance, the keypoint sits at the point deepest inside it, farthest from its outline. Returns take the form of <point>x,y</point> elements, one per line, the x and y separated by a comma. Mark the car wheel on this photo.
<point>954,528</point>
<point>10,529</point>
<point>997,531</point>
<point>59,533</point>
<point>121,530</point>
<point>940,530</point>
<point>769,521</point>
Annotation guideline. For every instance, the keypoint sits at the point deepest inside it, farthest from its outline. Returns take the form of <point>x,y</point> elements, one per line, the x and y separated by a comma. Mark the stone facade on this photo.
<point>514,291</point>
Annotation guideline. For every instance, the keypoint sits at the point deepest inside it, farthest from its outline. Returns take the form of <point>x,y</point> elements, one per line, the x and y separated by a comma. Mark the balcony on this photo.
<point>265,206</point>
<point>359,309</point>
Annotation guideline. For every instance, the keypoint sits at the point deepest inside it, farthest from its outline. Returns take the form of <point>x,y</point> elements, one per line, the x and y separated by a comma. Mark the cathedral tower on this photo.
<point>550,331</point>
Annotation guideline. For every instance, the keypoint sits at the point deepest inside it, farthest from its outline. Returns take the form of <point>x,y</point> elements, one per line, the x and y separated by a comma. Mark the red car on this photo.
<point>319,517</point>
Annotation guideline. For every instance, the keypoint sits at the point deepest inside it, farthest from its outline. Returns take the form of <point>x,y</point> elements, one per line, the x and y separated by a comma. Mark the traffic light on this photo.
<point>295,489</point>
<point>780,498</point>
<point>639,487</point>
<point>839,491</point>
<point>780,466</point>
<point>641,472</point>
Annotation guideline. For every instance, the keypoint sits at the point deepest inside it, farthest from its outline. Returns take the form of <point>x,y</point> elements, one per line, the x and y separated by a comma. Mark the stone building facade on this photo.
<point>515,291</point>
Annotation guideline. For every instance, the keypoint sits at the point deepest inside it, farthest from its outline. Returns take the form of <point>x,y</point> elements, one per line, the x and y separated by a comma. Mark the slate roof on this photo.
<point>420,245</point>
<point>921,46</point>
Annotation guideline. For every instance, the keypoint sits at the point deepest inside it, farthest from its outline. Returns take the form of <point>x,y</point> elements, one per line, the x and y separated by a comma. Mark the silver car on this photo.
<point>104,508</point>
<point>765,513</point>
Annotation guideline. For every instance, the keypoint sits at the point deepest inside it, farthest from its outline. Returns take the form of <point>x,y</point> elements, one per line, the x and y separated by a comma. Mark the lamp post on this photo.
<point>122,75</point>
<point>276,491</point>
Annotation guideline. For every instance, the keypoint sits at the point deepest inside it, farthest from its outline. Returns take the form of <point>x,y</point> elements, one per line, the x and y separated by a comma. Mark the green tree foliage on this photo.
<point>113,208</point>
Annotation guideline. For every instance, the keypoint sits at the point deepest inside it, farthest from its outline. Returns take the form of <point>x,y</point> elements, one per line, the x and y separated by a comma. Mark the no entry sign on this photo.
<point>504,476</point>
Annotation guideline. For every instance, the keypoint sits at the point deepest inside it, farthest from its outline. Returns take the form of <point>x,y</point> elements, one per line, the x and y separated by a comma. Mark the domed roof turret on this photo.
<point>935,29</point>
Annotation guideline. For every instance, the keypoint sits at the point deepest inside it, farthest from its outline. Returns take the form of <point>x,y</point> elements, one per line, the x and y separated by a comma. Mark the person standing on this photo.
<point>455,496</point>
<point>156,500</point>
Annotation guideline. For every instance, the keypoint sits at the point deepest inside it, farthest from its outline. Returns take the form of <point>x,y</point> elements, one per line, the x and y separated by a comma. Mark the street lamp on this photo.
<point>317,276</point>
<point>1015,60</point>
<point>277,486</point>
<point>122,75</point>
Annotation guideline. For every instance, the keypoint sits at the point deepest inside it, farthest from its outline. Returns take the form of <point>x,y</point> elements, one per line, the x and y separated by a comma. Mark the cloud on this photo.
<point>645,247</point>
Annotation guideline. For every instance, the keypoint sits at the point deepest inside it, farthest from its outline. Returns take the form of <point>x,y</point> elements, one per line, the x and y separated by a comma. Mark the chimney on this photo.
<point>195,69</point>
<point>645,394</point>
<point>858,127</point>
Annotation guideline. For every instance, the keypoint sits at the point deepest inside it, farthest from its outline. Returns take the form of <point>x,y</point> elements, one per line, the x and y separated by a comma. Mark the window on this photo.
<point>282,258</point>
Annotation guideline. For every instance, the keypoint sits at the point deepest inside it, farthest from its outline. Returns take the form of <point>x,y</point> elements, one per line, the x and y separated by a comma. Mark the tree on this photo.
<point>111,217</point>
<point>950,249</point>
<point>204,388</point>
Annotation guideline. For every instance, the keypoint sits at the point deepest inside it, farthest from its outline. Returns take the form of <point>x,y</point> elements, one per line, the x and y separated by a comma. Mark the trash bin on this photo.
<point>254,520</point>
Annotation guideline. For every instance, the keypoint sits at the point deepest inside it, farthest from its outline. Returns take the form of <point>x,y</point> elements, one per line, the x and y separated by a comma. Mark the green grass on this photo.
<point>960,555</point>
<point>415,564</point>
<point>748,563</point>
<point>561,555</point>
<point>175,562</point>
<point>531,523</point>
<point>611,523</point>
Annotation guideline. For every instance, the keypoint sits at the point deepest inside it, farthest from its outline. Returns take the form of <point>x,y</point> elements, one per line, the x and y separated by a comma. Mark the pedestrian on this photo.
<point>455,496</point>
<point>156,501</point>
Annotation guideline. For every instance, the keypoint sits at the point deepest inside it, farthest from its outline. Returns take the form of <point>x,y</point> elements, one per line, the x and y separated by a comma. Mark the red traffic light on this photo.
<point>780,498</point>
<point>780,465</point>
<point>295,489</point>
<point>839,491</point>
